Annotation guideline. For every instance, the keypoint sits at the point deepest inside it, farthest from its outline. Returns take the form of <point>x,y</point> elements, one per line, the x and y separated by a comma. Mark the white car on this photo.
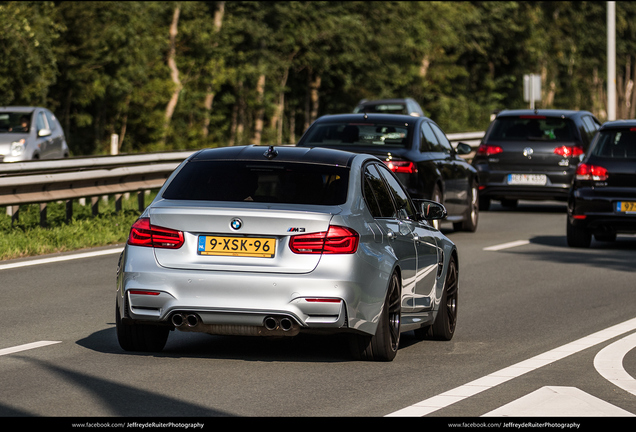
<point>30,133</point>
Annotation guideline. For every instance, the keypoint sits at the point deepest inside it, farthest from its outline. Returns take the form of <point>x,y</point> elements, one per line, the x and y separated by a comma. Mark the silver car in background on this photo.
<point>30,133</point>
<point>259,241</point>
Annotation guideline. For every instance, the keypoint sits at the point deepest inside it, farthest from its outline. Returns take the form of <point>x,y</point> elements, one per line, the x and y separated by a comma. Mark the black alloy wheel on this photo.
<point>444,326</point>
<point>382,346</point>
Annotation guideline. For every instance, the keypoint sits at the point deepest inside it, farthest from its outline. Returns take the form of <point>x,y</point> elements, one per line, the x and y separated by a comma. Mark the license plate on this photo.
<point>527,179</point>
<point>626,206</point>
<point>237,246</point>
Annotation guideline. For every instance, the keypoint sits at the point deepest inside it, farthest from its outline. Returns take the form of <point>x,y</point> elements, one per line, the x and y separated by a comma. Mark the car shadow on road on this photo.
<point>301,348</point>
<point>617,255</point>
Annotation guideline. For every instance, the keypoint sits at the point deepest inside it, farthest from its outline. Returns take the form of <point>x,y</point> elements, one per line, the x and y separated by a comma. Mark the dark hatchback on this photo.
<point>532,155</point>
<point>415,149</point>
<point>602,199</point>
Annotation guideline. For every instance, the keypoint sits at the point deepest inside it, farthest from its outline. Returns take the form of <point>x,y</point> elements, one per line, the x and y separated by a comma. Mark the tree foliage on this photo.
<point>260,72</point>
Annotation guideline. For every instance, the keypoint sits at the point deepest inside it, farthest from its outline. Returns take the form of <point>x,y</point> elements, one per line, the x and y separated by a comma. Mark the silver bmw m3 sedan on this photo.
<point>274,241</point>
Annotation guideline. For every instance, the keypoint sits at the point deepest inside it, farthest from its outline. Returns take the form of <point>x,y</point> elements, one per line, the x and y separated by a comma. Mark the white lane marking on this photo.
<point>507,245</point>
<point>479,385</point>
<point>609,363</point>
<point>59,258</point>
<point>28,346</point>
<point>555,401</point>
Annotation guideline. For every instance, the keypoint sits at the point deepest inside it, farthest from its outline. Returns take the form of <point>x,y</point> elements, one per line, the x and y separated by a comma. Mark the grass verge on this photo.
<point>25,237</point>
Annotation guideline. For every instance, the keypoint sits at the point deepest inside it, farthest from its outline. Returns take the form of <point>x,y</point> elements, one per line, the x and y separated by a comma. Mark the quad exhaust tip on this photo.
<point>271,323</point>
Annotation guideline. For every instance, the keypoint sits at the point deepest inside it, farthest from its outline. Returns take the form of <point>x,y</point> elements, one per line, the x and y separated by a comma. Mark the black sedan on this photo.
<point>532,155</point>
<point>602,199</point>
<point>415,149</point>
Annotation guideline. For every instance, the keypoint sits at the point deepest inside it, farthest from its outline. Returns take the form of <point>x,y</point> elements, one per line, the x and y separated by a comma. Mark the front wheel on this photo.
<point>384,344</point>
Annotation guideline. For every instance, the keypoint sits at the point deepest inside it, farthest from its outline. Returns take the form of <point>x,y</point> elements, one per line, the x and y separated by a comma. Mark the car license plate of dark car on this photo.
<point>237,246</point>
<point>626,206</point>
<point>527,179</point>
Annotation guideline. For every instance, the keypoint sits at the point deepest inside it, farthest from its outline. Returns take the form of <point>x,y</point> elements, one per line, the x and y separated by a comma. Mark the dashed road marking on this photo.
<point>15,349</point>
<point>59,258</point>
<point>507,245</point>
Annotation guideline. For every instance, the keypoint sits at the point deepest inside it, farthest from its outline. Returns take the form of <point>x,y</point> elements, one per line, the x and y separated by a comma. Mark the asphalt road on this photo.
<point>544,330</point>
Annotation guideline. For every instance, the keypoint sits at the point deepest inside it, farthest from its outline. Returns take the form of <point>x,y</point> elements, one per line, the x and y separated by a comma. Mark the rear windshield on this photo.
<point>289,183</point>
<point>14,122</point>
<point>357,134</point>
<point>532,128</point>
<point>616,143</point>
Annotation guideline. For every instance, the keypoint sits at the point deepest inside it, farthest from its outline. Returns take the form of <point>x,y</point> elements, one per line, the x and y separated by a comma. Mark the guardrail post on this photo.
<point>43,214</point>
<point>69,210</point>
<point>141,201</point>
<point>118,203</point>
<point>14,212</point>
<point>95,205</point>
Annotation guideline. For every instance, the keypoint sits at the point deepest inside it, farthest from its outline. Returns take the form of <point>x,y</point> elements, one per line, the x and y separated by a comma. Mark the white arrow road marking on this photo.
<point>555,401</point>
<point>609,363</point>
<point>479,385</point>
<point>28,346</point>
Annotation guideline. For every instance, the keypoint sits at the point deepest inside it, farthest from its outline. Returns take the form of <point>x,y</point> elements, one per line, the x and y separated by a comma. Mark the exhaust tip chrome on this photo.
<point>270,323</point>
<point>177,320</point>
<point>192,320</point>
<point>286,324</point>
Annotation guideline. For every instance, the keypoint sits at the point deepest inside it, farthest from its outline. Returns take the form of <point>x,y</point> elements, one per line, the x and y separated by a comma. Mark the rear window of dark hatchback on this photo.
<point>616,143</point>
<point>288,183</point>
<point>532,128</point>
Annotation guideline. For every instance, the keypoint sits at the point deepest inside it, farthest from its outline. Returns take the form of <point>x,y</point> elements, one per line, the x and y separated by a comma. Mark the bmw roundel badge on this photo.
<point>236,224</point>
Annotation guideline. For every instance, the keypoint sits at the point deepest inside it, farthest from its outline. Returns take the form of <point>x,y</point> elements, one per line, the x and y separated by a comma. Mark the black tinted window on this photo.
<point>290,183</point>
<point>616,144</point>
<point>441,137</point>
<point>429,142</point>
<point>376,194</point>
<point>532,128</point>
<point>357,134</point>
<point>405,209</point>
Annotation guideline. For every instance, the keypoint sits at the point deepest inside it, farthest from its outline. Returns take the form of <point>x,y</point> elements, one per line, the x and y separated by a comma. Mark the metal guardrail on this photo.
<point>42,182</point>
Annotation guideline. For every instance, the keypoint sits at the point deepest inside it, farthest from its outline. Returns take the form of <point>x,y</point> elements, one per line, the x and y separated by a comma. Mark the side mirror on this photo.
<point>463,149</point>
<point>431,210</point>
<point>44,132</point>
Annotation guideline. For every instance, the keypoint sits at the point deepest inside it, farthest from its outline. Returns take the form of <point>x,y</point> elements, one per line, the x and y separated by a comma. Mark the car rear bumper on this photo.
<point>333,297</point>
<point>597,212</point>
<point>494,184</point>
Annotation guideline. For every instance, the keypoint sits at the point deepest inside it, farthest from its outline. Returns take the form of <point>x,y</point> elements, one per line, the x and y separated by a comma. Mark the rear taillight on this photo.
<point>144,234</point>
<point>488,150</point>
<point>591,172</point>
<point>569,151</point>
<point>337,240</point>
<point>401,166</point>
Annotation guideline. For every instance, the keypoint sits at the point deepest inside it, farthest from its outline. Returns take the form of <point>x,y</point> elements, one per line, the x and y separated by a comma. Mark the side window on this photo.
<point>444,142</point>
<point>51,120</point>
<point>590,126</point>
<point>428,140</point>
<point>405,209</point>
<point>40,122</point>
<point>376,194</point>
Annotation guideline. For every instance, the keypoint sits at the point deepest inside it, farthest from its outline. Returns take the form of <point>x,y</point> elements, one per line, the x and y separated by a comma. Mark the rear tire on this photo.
<point>578,237</point>
<point>384,344</point>
<point>471,218</point>
<point>140,337</point>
